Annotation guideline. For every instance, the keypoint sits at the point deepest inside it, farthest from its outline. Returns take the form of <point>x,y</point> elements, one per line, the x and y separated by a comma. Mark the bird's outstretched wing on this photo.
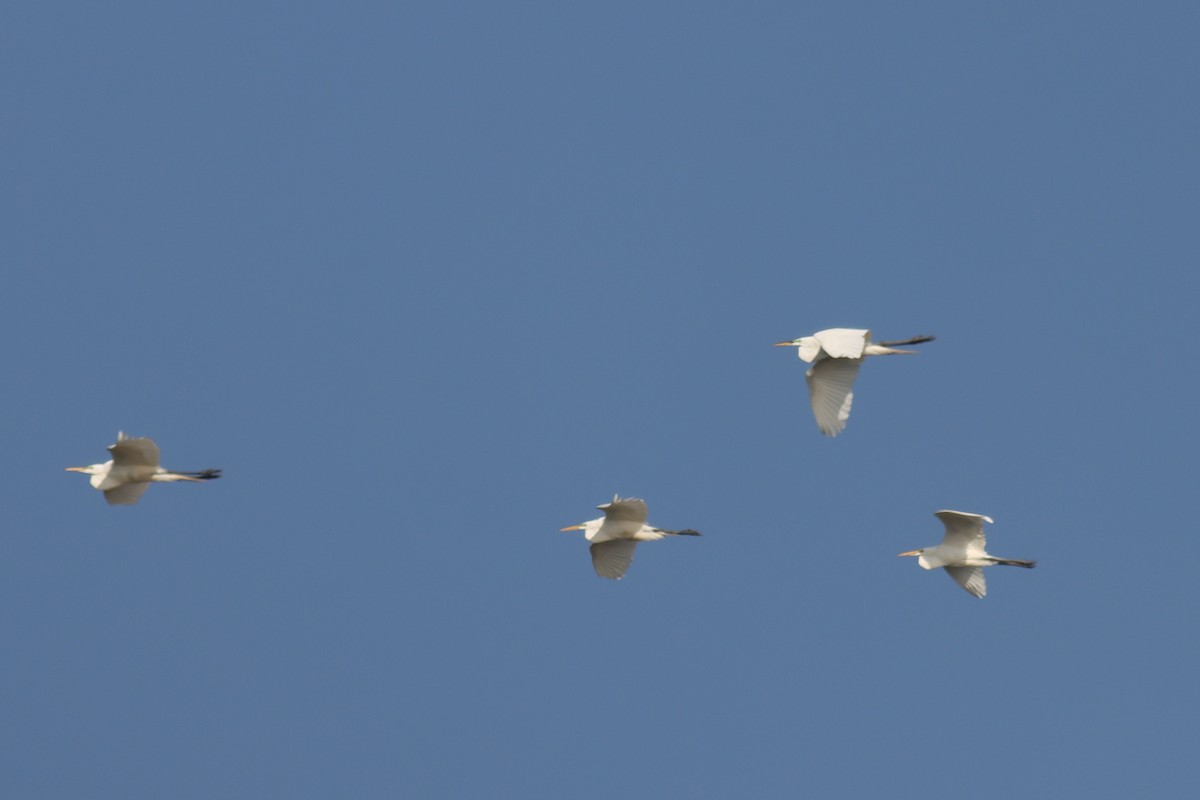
<point>126,494</point>
<point>830,381</point>
<point>963,529</point>
<point>610,559</point>
<point>627,509</point>
<point>843,342</point>
<point>970,578</point>
<point>131,451</point>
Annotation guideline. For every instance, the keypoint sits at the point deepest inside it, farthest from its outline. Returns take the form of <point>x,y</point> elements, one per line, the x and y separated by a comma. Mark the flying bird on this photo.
<point>835,355</point>
<point>134,466</point>
<point>962,552</point>
<point>615,535</point>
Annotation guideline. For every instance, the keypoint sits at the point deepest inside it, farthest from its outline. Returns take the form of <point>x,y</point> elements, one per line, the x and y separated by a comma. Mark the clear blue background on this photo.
<point>431,280</point>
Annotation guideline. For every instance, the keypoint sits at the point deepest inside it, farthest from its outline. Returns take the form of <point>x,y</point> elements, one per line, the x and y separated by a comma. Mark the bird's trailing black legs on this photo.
<point>1013,562</point>
<point>201,475</point>
<point>914,340</point>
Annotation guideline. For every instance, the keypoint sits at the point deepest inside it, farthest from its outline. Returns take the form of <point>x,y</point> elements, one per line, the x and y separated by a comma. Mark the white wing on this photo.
<point>628,509</point>
<point>843,342</point>
<point>829,383</point>
<point>126,494</point>
<point>610,559</point>
<point>970,578</point>
<point>134,451</point>
<point>963,530</point>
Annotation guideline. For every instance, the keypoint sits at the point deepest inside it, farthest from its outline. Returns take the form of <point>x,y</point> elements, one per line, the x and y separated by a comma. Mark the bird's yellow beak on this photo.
<point>76,469</point>
<point>572,528</point>
<point>910,553</point>
<point>784,344</point>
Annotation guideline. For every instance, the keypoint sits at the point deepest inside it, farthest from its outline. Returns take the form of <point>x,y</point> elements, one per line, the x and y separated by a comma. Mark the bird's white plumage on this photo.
<point>962,551</point>
<point>614,536</point>
<point>843,342</point>
<point>133,467</point>
<point>830,382</point>
<point>970,578</point>
<point>610,559</point>
<point>962,529</point>
<point>629,509</point>
<point>835,355</point>
<point>126,494</point>
<point>132,451</point>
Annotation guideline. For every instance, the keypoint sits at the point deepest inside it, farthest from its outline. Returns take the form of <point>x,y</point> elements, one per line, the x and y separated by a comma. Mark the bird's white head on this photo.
<point>921,559</point>
<point>807,347</point>
<point>588,528</point>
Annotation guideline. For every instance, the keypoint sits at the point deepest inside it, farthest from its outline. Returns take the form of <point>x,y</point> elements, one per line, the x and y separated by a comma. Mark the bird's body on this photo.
<point>134,466</point>
<point>615,535</point>
<point>962,552</point>
<point>835,355</point>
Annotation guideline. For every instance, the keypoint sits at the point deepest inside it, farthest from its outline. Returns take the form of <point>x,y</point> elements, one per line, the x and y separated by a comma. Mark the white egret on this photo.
<point>615,535</point>
<point>835,355</point>
<point>962,552</point>
<point>133,467</point>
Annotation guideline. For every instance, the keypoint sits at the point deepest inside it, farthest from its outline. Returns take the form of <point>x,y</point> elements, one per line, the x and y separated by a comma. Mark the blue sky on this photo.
<point>430,281</point>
